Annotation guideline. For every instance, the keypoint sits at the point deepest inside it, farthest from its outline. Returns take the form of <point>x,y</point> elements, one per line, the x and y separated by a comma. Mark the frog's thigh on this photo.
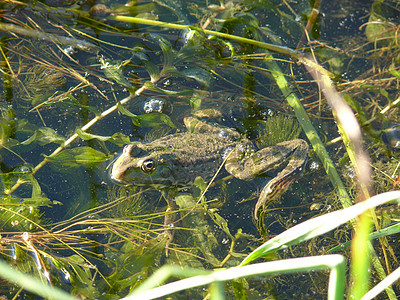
<point>267,159</point>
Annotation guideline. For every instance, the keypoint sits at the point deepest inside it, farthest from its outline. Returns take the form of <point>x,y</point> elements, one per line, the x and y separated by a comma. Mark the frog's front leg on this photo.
<point>246,166</point>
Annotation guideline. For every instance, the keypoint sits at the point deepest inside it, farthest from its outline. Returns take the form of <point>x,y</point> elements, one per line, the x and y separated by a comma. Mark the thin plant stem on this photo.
<point>309,130</point>
<point>40,35</point>
<point>335,263</point>
<point>352,138</point>
<point>31,284</point>
<point>75,135</point>
<point>295,54</point>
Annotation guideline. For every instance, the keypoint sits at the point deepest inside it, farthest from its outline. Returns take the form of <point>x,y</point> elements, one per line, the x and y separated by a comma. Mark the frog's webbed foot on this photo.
<point>169,220</point>
<point>278,185</point>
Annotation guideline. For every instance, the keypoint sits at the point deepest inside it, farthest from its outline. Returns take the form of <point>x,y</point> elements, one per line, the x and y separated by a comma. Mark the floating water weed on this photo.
<point>278,128</point>
<point>40,83</point>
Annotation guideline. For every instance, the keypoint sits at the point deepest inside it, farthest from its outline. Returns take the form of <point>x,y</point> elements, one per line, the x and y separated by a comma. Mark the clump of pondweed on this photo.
<point>385,175</point>
<point>40,82</point>
<point>124,203</point>
<point>394,115</point>
<point>276,129</point>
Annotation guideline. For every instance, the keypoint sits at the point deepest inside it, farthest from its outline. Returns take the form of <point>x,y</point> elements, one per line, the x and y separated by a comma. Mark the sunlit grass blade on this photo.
<point>317,226</point>
<point>309,129</point>
<point>394,229</point>
<point>32,284</point>
<point>160,276</point>
<point>381,286</point>
<point>336,263</point>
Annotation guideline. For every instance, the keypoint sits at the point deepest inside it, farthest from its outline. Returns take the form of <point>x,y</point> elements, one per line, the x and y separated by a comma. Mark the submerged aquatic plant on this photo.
<point>41,82</point>
<point>278,128</point>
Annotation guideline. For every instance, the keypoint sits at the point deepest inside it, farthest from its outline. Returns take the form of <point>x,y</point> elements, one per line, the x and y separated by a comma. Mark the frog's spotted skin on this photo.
<point>174,161</point>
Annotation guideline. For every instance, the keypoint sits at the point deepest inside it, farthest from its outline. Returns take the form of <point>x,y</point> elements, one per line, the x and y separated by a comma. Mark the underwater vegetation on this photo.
<point>82,79</point>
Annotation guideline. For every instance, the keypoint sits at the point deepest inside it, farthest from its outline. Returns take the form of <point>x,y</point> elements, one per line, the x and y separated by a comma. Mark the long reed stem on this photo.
<point>75,135</point>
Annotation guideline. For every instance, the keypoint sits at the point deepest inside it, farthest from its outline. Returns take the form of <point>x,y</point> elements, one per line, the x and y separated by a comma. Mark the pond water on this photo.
<point>81,79</point>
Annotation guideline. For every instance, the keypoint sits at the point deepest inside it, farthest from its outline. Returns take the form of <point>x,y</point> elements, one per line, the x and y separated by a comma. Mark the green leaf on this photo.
<point>48,135</point>
<point>22,213</point>
<point>37,198</point>
<point>118,138</point>
<point>319,225</point>
<point>124,111</point>
<point>220,221</point>
<point>152,120</point>
<point>44,136</point>
<point>153,70</point>
<point>31,139</point>
<point>194,101</point>
<point>170,71</point>
<point>380,29</point>
<point>114,71</point>
<point>200,183</point>
<point>168,55</point>
<point>394,71</point>
<point>150,86</point>
<point>195,41</point>
<point>77,157</point>
<point>147,120</point>
<point>201,75</point>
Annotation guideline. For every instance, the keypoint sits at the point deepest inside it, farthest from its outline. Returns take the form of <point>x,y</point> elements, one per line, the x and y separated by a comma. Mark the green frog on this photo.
<point>172,163</point>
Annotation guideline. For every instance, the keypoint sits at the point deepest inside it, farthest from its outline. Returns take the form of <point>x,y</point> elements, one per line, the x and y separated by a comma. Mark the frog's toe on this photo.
<point>169,220</point>
<point>271,192</point>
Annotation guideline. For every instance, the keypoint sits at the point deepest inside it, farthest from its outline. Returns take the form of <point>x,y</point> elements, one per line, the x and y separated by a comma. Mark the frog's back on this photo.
<point>176,159</point>
<point>190,155</point>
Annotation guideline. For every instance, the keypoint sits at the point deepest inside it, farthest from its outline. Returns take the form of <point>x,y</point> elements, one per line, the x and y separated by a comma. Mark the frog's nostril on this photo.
<point>128,149</point>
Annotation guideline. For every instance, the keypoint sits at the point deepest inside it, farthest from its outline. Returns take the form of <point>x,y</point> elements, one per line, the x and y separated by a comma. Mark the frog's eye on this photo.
<point>148,166</point>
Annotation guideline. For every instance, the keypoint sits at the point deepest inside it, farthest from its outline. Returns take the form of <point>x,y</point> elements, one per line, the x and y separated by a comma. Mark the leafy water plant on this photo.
<point>278,128</point>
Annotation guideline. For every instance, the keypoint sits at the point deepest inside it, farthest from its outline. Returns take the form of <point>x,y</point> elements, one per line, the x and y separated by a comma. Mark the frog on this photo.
<point>172,163</point>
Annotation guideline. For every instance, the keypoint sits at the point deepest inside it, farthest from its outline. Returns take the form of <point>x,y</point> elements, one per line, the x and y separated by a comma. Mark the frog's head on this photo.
<point>137,166</point>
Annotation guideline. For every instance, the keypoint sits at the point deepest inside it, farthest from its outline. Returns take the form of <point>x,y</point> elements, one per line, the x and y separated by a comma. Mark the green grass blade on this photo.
<point>32,284</point>
<point>317,226</point>
<point>360,259</point>
<point>377,234</point>
<point>335,263</point>
<point>161,275</point>
<point>381,286</point>
<point>309,129</point>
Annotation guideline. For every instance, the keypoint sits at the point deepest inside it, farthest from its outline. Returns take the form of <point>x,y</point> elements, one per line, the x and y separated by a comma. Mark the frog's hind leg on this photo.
<point>297,152</point>
<point>271,192</point>
<point>275,188</point>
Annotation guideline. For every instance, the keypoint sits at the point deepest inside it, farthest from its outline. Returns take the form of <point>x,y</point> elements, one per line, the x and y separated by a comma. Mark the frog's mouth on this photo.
<point>141,182</point>
<point>109,169</point>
